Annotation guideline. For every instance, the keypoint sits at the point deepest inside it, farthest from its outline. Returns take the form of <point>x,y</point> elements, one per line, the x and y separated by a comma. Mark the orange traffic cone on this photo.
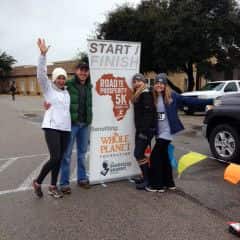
<point>232,173</point>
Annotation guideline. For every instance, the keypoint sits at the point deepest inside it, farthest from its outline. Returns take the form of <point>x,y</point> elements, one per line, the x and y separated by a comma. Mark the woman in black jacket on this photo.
<point>144,118</point>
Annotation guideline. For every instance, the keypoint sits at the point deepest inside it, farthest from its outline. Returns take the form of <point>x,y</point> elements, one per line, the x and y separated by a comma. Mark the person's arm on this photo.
<point>42,74</point>
<point>186,101</point>
<point>42,67</point>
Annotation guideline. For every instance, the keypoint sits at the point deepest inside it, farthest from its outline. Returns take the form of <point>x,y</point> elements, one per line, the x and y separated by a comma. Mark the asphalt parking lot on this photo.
<point>199,209</point>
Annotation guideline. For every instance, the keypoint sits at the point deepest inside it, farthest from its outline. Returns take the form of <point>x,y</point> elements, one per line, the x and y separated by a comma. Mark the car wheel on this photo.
<point>225,143</point>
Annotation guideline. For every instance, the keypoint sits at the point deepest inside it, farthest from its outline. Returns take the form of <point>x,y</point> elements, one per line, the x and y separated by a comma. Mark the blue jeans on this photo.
<point>80,133</point>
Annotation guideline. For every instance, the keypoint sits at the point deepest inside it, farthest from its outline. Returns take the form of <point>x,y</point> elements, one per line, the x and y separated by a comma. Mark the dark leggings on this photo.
<point>160,168</point>
<point>140,146</point>
<point>13,96</point>
<point>57,142</point>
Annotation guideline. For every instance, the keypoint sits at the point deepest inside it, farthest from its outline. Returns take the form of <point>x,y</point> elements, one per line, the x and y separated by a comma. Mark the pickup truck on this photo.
<point>222,128</point>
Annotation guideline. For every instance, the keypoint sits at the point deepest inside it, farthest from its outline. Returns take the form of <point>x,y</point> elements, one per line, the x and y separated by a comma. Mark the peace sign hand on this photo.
<point>42,46</point>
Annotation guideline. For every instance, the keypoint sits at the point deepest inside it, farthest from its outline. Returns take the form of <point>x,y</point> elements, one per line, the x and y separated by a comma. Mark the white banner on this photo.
<point>112,65</point>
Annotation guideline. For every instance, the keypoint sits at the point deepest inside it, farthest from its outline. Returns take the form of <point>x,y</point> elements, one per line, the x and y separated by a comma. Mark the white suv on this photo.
<point>212,90</point>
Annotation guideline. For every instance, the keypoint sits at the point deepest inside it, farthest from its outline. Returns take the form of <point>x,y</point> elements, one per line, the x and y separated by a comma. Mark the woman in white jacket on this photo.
<point>56,123</point>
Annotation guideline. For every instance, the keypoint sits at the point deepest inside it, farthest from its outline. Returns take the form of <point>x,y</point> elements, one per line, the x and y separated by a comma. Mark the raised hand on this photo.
<point>42,46</point>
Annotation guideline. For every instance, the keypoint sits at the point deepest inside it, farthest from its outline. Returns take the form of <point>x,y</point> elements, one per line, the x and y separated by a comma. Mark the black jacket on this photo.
<point>13,89</point>
<point>144,113</point>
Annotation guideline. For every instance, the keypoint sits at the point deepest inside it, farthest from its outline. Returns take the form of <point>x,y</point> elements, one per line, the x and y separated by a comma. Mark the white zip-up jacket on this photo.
<point>58,115</point>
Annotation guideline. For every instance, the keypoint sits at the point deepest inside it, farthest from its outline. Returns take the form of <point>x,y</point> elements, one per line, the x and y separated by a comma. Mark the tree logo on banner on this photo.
<point>118,90</point>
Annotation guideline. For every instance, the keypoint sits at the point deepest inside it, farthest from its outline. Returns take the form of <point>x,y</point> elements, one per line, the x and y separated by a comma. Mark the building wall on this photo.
<point>219,76</point>
<point>26,80</point>
<point>28,85</point>
<point>178,79</point>
<point>236,74</point>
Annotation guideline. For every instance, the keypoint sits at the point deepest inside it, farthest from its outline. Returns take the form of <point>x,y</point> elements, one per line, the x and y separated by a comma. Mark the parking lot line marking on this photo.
<point>10,191</point>
<point>5,192</point>
<point>28,181</point>
<point>188,150</point>
<point>7,164</point>
<point>28,156</point>
<point>21,189</point>
<point>25,156</point>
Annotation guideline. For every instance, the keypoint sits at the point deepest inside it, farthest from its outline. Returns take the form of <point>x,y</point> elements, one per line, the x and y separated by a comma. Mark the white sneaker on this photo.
<point>151,189</point>
<point>54,192</point>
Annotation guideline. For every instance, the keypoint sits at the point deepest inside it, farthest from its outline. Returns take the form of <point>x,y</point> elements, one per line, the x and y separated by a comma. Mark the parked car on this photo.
<point>222,128</point>
<point>212,90</point>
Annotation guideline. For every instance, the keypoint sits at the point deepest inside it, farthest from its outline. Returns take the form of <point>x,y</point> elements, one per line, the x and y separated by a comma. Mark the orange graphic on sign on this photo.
<point>118,90</point>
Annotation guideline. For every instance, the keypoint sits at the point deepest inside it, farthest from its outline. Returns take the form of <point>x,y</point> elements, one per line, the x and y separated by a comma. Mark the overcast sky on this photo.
<point>66,24</point>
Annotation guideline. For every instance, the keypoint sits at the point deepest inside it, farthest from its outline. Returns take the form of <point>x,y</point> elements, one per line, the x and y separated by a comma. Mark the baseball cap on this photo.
<point>139,77</point>
<point>161,78</point>
<point>82,66</point>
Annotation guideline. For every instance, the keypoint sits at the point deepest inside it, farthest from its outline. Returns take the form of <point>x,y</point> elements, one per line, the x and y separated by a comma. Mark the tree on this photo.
<point>6,63</point>
<point>81,57</point>
<point>200,32</point>
<point>129,24</point>
<point>177,35</point>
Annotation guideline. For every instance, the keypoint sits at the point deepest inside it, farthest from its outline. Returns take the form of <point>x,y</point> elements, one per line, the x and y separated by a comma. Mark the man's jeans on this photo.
<point>80,132</point>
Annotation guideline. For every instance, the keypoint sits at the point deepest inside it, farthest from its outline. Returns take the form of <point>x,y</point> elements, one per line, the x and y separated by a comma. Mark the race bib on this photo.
<point>161,116</point>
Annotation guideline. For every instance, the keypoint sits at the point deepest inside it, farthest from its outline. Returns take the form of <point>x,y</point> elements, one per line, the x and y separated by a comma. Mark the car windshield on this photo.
<point>216,86</point>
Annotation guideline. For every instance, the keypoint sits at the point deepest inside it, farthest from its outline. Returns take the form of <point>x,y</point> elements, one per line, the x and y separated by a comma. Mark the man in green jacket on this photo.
<point>80,90</point>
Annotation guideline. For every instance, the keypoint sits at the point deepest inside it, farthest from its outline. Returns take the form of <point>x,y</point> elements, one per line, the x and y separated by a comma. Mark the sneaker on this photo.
<point>37,188</point>
<point>151,189</point>
<point>66,190</point>
<point>171,187</point>
<point>161,190</point>
<point>54,192</point>
<point>141,186</point>
<point>138,180</point>
<point>84,184</point>
<point>234,228</point>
